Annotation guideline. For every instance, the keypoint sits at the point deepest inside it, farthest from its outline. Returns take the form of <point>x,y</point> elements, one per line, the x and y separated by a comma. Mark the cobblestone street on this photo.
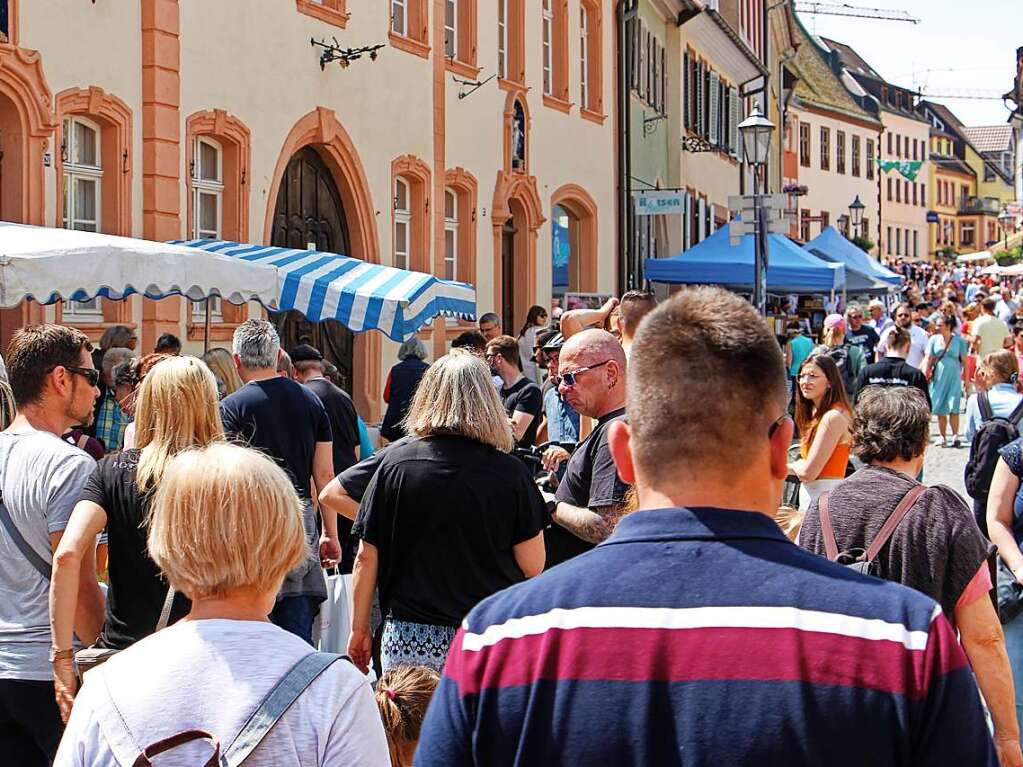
<point>944,465</point>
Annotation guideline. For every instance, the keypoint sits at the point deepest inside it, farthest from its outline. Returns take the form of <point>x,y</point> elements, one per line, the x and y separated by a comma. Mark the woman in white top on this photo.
<point>226,527</point>
<point>536,320</point>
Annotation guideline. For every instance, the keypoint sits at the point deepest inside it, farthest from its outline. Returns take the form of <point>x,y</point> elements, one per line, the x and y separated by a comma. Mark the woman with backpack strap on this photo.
<point>936,548</point>
<point>823,415</point>
<point>226,527</point>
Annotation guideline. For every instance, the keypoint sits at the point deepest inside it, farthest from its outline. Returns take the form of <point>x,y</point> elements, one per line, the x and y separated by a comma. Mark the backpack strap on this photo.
<point>111,723</point>
<point>986,413</point>
<point>893,521</point>
<point>827,530</point>
<point>275,705</point>
<point>1016,415</point>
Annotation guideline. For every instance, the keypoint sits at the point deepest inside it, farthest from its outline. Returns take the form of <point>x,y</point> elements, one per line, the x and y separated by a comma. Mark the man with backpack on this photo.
<point>847,357</point>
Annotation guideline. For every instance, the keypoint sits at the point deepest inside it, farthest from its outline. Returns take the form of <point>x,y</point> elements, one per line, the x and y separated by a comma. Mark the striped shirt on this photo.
<point>704,637</point>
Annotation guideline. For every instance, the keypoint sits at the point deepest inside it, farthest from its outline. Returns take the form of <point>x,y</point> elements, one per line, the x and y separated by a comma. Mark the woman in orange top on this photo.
<point>824,417</point>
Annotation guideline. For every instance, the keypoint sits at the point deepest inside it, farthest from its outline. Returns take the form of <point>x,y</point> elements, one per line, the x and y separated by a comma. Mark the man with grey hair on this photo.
<point>285,367</point>
<point>591,495</point>
<point>287,422</point>
<point>111,418</point>
<point>490,326</point>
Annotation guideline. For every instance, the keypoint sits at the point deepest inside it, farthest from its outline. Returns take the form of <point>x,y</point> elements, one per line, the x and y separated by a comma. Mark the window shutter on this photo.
<point>648,48</point>
<point>700,124</point>
<point>685,90</point>
<point>715,104</point>
<point>706,102</point>
<point>635,37</point>
<point>701,219</point>
<point>642,60</point>
<point>687,240</point>
<point>733,139</point>
<point>655,66</point>
<point>664,81</point>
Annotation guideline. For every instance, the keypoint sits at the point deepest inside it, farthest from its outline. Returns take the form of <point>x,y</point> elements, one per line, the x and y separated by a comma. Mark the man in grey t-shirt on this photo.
<point>54,384</point>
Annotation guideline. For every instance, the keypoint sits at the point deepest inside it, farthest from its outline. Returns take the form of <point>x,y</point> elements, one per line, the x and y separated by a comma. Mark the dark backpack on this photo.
<point>840,355</point>
<point>993,434</point>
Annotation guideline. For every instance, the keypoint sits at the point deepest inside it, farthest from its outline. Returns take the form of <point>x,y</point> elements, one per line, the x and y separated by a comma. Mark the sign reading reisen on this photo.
<point>659,203</point>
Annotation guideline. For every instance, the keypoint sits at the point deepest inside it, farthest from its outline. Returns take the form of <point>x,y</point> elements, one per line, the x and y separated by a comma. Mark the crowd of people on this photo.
<point>572,545</point>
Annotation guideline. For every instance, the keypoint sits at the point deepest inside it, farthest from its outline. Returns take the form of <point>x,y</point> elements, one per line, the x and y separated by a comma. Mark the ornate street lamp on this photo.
<point>856,214</point>
<point>756,131</point>
<point>1003,219</point>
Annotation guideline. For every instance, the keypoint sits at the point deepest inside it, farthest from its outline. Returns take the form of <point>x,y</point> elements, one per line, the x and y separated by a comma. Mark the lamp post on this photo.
<point>756,131</point>
<point>1003,219</point>
<point>856,214</point>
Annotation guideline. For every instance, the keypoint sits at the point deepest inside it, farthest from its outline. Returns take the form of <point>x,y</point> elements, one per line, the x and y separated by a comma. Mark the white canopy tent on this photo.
<point>49,265</point>
<point>972,258</point>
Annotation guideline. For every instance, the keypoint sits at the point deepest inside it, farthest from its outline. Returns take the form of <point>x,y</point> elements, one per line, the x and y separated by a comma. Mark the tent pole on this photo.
<point>206,328</point>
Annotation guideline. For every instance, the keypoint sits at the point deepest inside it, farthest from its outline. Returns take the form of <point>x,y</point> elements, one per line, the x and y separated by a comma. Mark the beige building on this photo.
<point>831,141</point>
<point>167,119</point>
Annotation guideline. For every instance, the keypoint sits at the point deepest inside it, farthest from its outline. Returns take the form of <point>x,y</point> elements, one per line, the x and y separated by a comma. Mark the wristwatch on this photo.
<point>56,654</point>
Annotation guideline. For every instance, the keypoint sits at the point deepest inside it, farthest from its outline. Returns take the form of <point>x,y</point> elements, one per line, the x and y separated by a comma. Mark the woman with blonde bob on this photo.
<point>226,527</point>
<point>176,410</point>
<point>448,519</point>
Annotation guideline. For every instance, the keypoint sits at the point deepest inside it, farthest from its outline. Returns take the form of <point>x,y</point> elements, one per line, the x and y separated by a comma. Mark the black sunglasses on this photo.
<point>89,374</point>
<point>570,377</point>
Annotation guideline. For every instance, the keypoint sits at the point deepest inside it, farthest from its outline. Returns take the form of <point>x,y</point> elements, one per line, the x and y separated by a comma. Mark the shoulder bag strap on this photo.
<point>165,611</point>
<point>1017,414</point>
<point>986,413</point>
<point>827,530</point>
<point>893,521</point>
<point>33,557</point>
<point>275,704</point>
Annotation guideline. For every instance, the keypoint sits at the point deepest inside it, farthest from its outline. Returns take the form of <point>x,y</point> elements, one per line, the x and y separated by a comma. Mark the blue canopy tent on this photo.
<point>361,296</point>
<point>830,245</point>
<point>716,262</point>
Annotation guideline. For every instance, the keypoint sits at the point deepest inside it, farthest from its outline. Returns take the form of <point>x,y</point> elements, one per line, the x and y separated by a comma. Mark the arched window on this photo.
<point>83,176</point>
<point>207,204</point>
<point>402,223</point>
<point>450,234</point>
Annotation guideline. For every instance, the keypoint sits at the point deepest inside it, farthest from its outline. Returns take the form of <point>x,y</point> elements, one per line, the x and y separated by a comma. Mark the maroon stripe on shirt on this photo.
<point>679,655</point>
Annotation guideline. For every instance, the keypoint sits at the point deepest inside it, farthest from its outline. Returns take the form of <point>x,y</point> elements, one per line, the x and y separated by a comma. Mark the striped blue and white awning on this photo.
<point>361,296</point>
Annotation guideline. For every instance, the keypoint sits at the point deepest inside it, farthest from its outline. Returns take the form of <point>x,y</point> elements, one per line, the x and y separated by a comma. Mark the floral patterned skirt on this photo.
<point>414,644</point>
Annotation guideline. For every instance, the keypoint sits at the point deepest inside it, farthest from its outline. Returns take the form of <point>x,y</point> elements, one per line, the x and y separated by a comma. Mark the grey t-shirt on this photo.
<point>41,478</point>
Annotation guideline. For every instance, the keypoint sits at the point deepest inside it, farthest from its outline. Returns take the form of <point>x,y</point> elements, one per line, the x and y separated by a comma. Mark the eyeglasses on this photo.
<point>569,378</point>
<point>89,374</point>
<point>774,426</point>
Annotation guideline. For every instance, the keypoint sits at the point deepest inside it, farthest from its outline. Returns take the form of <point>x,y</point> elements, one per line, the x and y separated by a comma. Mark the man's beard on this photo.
<point>82,420</point>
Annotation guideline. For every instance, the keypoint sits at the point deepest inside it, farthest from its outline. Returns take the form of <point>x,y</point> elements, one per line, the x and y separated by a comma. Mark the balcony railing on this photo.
<point>990,206</point>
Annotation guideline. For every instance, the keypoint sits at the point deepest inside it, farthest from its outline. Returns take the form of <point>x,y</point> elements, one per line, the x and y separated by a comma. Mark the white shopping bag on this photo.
<point>336,615</point>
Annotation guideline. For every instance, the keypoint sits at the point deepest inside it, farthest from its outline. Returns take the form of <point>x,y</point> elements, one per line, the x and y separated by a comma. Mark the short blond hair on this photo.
<point>226,517</point>
<point>457,396</point>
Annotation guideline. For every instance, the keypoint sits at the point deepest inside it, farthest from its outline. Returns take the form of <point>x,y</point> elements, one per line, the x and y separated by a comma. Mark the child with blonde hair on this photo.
<point>403,695</point>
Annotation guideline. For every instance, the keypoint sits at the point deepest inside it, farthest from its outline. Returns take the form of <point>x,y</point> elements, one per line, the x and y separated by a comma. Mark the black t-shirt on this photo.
<point>524,396</point>
<point>283,419</point>
<point>444,513</point>
<point>866,338</point>
<point>137,591</point>
<point>591,481</point>
<point>892,371</point>
<point>355,479</point>
<point>344,422</point>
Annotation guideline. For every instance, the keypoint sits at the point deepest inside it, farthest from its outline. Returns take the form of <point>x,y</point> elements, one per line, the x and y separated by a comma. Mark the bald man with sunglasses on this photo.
<point>591,496</point>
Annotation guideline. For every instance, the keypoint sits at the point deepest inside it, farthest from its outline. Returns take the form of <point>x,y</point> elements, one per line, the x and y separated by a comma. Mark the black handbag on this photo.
<point>1010,594</point>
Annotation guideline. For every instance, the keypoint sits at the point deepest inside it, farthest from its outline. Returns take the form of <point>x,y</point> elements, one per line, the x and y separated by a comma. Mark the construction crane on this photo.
<point>814,8</point>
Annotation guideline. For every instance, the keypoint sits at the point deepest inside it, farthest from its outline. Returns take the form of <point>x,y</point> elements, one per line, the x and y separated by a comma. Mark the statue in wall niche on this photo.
<point>519,138</point>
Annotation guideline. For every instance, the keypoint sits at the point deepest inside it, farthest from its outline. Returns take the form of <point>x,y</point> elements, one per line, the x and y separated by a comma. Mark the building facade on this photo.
<point>831,143</point>
<point>146,119</point>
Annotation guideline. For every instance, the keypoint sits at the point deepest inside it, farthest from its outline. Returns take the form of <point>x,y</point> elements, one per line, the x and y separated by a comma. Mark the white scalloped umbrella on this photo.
<point>50,265</point>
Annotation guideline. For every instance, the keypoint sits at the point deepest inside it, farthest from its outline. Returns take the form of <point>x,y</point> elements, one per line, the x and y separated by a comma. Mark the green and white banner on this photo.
<point>908,168</point>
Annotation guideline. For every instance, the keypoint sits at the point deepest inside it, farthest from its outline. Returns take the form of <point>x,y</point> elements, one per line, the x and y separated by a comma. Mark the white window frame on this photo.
<point>547,25</point>
<point>502,39</point>
<point>451,225</point>
<point>402,216</point>
<point>451,30</point>
<point>206,187</point>
<point>401,29</point>
<point>584,57</point>
<point>90,311</point>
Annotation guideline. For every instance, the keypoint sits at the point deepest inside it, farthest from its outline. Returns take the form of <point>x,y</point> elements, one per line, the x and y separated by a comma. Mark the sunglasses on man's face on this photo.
<point>89,374</point>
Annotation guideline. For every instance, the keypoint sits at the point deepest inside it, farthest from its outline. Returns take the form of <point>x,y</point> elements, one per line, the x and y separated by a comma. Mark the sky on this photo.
<point>957,46</point>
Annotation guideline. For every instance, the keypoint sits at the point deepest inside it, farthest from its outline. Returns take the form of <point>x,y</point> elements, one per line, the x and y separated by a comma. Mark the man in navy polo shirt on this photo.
<point>697,634</point>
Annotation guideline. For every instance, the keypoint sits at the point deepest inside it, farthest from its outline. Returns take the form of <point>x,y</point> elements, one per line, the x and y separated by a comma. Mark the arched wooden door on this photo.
<point>309,214</point>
